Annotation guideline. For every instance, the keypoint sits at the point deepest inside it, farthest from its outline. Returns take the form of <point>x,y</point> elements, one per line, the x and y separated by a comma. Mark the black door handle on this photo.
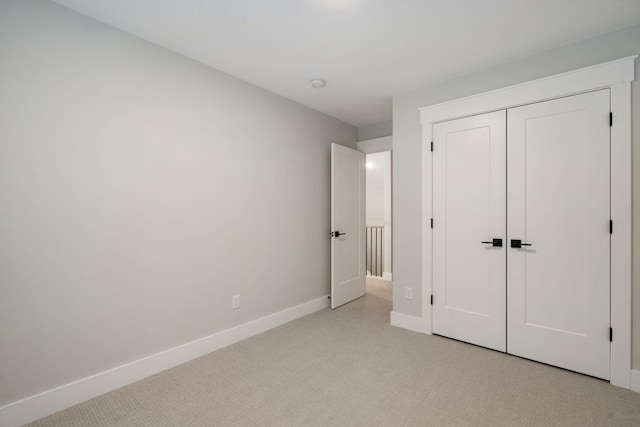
<point>496,243</point>
<point>516,243</point>
<point>337,234</point>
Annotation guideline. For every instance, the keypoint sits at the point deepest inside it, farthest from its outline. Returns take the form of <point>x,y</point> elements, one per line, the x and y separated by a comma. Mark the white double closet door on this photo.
<point>521,236</point>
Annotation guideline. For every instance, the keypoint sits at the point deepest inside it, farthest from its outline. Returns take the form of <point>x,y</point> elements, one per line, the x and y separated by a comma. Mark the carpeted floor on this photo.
<point>349,367</point>
<point>380,288</point>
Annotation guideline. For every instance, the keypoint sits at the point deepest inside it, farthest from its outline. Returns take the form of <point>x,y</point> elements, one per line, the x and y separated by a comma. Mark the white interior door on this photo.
<point>348,262</point>
<point>558,203</point>
<point>469,191</point>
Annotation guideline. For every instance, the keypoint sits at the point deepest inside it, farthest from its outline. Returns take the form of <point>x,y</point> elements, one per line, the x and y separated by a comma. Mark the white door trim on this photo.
<point>616,75</point>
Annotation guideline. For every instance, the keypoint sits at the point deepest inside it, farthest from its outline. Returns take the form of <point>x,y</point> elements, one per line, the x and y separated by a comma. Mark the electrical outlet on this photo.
<point>408,293</point>
<point>235,302</point>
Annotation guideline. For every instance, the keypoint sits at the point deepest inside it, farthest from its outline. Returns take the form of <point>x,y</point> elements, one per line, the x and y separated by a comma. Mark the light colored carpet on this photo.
<point>380,288</point>
<point>349,367</point>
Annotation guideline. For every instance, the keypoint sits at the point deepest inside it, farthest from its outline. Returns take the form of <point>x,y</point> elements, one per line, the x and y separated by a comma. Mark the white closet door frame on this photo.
<point>617,76</point>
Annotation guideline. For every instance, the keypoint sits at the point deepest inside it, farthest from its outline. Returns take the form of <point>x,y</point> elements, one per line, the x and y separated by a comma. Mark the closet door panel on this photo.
<point>469,209</point>
<point>558,203</point>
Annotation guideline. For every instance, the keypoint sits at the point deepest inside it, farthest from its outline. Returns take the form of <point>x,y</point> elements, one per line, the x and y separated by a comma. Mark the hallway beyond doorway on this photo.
<point>380,288</point>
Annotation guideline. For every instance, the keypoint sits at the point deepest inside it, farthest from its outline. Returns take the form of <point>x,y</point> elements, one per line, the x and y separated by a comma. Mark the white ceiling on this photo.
<point>366,50</point>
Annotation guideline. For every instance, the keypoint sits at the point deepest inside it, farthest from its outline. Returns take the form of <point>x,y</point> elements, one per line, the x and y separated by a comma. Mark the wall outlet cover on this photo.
<point>408,293</point>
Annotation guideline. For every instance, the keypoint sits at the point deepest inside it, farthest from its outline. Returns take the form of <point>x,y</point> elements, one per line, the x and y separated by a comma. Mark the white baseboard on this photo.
<point>412,323</point>
<point>385,276</point>
<point>54,400</point>
<point>635,381</point>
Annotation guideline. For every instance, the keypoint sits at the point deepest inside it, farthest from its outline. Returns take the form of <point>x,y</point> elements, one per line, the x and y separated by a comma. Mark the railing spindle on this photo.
<point>375,255</point>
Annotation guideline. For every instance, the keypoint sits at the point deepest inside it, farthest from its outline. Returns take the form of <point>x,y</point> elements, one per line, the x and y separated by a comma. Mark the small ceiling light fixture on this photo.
<point>317,83</point>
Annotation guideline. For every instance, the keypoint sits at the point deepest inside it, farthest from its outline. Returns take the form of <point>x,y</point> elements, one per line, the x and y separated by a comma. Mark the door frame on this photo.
<point>374,146</point>
<point>615,75</point>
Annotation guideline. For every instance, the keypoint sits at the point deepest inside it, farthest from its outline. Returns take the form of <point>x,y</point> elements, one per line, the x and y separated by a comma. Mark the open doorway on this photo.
<point>378,225</point>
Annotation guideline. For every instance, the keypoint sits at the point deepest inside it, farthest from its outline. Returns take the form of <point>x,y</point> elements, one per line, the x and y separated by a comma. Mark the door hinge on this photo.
<point>610,120</point>
<point>431,222</point>
<point>431,299</point>
<point>610,334</point>
<point>432,146</point>
<point>610,226</point>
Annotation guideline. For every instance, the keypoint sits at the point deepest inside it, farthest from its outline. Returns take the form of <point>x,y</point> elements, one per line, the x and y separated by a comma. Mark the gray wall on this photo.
<point>407,167</point>
<point>139,191</point>
<point>375,130</point>
<point>376,145</point>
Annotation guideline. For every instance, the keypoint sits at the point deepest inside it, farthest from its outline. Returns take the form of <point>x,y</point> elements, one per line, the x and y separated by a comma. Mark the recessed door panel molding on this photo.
<point>468,213</point>
<point>348,268</point>
<point>558,282</point>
